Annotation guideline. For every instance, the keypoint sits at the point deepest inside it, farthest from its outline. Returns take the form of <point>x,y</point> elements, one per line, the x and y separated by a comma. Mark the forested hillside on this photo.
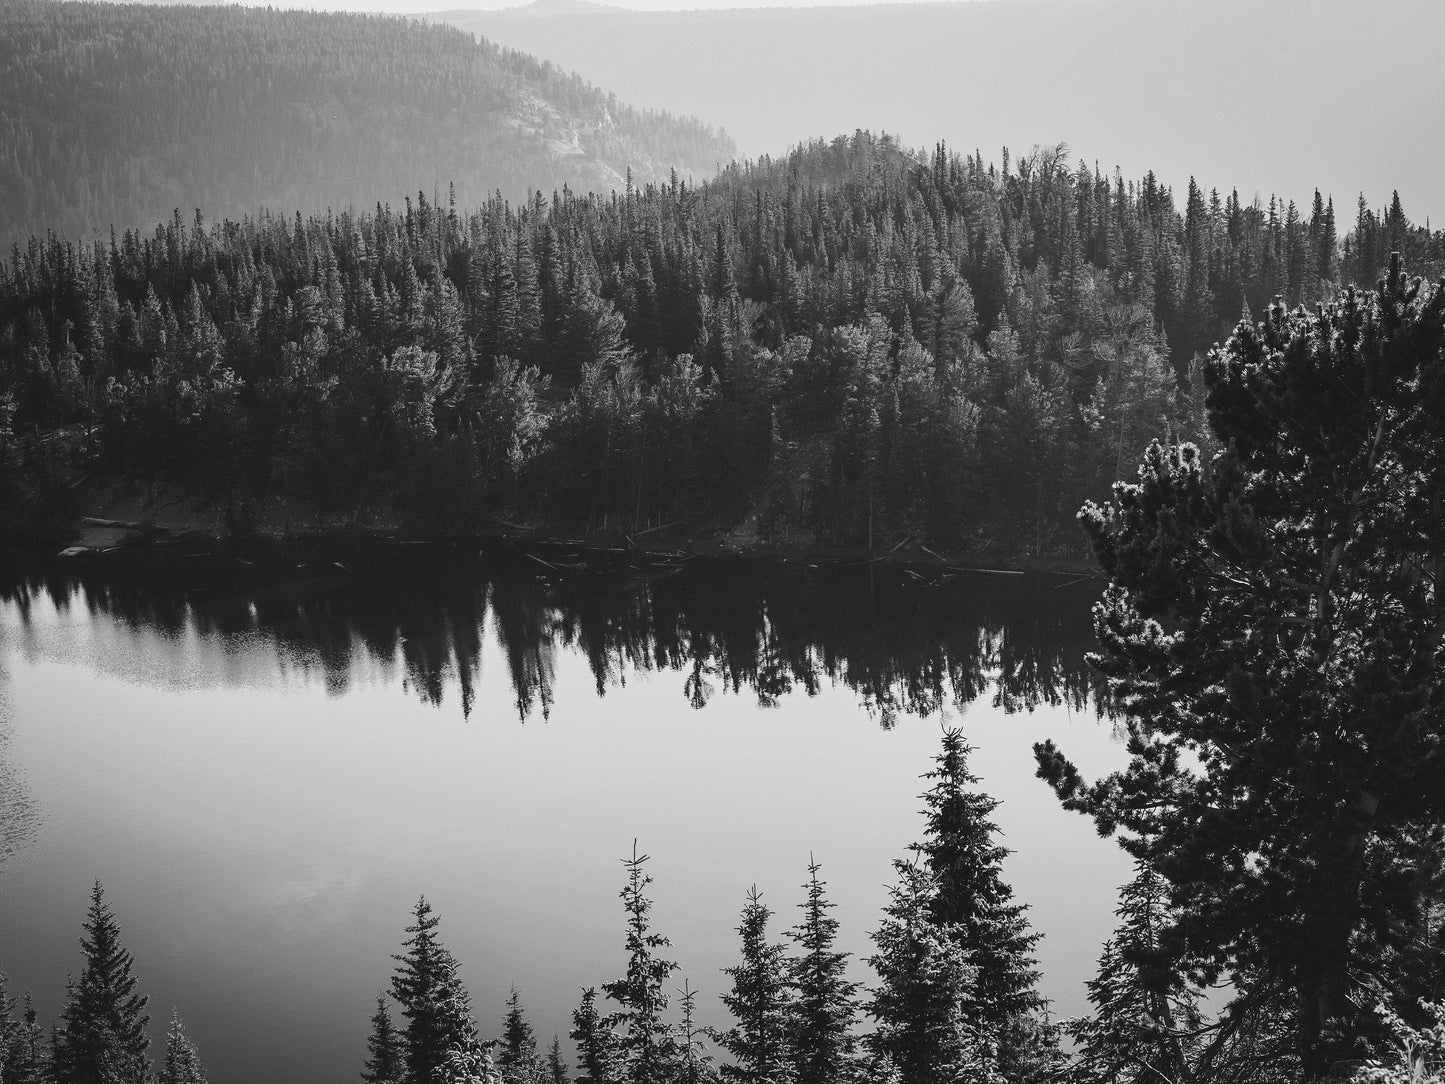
<point>1263,94</point>
<point>845,347</point>
<point>119,114</point>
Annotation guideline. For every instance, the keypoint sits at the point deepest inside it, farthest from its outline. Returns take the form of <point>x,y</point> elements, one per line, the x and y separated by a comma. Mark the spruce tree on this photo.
<point>102,1034</point>
<point>599,1055</point>
<point>695,1066</point>
<point>975,903</point>
<point>758,1001</point>
<point>1145,1013</point>
<point>648,1048</point>
<point>182,1062</point>
<point>9,1029</point>
<point>924,980</point>
<point>27,1058</point>
<point>517,1056</point>
<point>433,1000</point>
<point>556,1068</point>
<point>385,1060</point>
<point>821,1043</point>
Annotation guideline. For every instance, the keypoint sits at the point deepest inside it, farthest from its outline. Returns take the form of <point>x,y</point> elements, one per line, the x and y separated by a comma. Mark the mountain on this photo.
<point>1277,95</point>
<point>123,114</point>
<point>552,9</point>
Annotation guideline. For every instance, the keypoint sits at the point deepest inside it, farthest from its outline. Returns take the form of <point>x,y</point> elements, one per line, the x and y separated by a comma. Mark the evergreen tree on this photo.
<point>385,1061</point>
<point>759,1003</point>
<point>975,903</point>
<point>182,1063</point>
<point>102,1034</point>
<point>517,1058</point>
<point>27,1059</point>
<point>695,1065</point>
<point>435,1004</point>
<point>556,1068</point>
<point>10,1028</point>
<point>647,1045</point>
<point>599,1054</point>
<point>1281,757</point>
<point>924,980</point>
<point>1146,1017</point>
<point>821,1043</point>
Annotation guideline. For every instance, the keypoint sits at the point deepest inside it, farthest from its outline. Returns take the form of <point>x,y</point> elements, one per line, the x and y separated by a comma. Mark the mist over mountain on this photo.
<point>1270,95</point>
<point>122,114</point>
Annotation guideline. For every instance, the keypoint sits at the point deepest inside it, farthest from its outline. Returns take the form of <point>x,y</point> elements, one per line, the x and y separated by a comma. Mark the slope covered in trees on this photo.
<point>118,114</point>
<point>850,346</point>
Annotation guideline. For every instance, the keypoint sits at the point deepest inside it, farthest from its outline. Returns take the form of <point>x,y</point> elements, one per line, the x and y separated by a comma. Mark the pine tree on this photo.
<point>647,1044</point>
<point>924,981</point>
<point>385,1062</point>
<point>435,1003</point>
<point>1146,1014</point>
<point>102,1034</point>
<point>821,1043</point>
<point>758,1001</point>
<point>9,1029</point>
<point>556,1068</point>
<point>973,900</point>
<point>27,1058</point>
<point>517,1058</point>
<point>695,1066</point>
<point>183,1063</point>
<point>598,1052</point>
<point>1283,756</point>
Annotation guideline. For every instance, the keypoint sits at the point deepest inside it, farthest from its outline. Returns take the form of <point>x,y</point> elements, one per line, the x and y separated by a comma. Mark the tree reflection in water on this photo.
<point>902,642</point>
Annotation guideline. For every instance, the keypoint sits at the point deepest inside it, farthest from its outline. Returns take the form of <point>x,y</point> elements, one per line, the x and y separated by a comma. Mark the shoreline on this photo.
<point>600,553</point>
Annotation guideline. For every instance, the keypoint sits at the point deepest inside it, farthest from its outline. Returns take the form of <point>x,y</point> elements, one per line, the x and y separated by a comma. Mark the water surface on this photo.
<point>266,771</point>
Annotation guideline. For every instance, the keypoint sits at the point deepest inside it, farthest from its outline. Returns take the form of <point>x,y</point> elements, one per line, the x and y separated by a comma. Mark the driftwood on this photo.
<point>659,527</point>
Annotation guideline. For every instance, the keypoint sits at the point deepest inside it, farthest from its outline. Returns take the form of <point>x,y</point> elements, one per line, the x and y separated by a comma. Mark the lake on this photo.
<point>266,763</point>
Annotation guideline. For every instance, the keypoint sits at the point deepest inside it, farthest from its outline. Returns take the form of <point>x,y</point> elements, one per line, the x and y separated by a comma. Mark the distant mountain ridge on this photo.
<point>1279,95</point>
<point>551,9</point>
<point>120,114</point>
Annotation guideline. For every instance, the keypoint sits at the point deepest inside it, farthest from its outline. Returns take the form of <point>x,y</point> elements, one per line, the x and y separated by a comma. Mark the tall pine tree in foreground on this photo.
<point>821,1043</point>
<point>758,1001</point>
<point>975,903</point>
<point>648,1046</point>
<point>439,1030</point>
<point>924,979</point>
<point>1275,628</point>
<point>102,1035</point>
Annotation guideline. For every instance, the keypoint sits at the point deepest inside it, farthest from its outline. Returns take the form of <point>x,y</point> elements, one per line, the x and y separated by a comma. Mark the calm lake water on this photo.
<point>266,772</point>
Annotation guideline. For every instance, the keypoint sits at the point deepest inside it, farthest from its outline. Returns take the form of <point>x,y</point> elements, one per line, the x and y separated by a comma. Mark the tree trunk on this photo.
<point>1326,1037</point>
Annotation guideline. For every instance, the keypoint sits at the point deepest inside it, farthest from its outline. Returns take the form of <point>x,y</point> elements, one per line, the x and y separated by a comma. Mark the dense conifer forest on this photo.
<point>862,347</point>
<point>851,346</point>
<point>116,114</point>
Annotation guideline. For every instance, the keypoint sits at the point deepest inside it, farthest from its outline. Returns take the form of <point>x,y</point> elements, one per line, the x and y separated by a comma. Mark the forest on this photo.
<point>858,347</point>
<point>116,114</point>
<point>853,346</point>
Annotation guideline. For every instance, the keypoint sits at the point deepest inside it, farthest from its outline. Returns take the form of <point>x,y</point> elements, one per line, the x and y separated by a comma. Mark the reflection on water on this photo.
<point>18,815</point>
<point>250,756</point>
<point>900,642</point>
